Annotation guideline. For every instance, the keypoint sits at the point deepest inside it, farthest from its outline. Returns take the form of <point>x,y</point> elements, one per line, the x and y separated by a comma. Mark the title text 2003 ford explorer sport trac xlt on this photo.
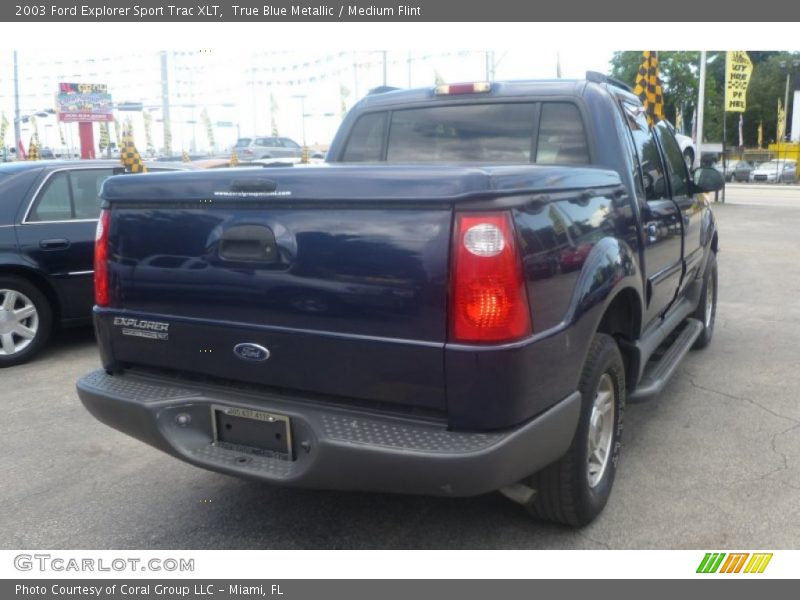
<point>460,301</point>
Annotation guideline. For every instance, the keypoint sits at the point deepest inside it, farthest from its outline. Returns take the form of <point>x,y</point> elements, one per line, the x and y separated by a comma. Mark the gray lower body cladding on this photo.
<point>331,447</point>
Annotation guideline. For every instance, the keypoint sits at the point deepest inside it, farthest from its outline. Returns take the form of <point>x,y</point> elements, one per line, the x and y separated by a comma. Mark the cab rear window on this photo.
<point>507,133</point>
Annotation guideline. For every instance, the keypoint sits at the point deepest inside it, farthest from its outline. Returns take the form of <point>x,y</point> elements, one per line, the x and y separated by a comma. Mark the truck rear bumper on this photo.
<point>332,447</point>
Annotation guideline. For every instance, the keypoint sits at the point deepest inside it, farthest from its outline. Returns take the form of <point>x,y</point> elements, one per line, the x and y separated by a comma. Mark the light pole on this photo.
<point>17,132</point>
<point>789,66</point>
<point>302,99</point>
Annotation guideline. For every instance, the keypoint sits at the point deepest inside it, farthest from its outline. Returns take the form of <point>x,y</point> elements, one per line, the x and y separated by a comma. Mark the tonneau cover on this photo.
<point>354,182</point>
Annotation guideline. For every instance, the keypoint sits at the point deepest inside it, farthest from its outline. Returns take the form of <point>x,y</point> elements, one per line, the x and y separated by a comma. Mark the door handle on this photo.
<point>55,244</point>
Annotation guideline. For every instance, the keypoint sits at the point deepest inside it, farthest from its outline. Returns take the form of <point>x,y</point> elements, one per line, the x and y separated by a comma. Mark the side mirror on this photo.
<point>708,179</point>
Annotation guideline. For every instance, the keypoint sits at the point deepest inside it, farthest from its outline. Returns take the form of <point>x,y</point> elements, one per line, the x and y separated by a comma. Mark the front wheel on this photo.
<point>574,490</point>
<point>706,311</point>
<point>25,320</point>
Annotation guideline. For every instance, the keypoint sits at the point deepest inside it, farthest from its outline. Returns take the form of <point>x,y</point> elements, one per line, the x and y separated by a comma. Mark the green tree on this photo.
<point>680,72</point>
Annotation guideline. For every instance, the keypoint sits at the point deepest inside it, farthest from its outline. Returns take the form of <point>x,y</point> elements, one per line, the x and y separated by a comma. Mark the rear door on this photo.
<point>661,218</point>
<point>57,233</point>
<point>690,205</point>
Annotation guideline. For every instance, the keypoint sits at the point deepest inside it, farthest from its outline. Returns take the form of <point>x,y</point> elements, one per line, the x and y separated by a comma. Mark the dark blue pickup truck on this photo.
<point>460,301</point>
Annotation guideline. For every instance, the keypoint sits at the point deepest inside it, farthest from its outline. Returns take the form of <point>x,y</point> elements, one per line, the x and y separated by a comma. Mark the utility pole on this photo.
<point>165,103</point>
<point>17,131</point>
<point>786,107</point>
<point>701,98</point>
<point>489,65</point>
<point>384,68</point>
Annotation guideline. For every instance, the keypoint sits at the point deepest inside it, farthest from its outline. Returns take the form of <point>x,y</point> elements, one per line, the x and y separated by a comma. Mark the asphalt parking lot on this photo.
<point>713,462</point>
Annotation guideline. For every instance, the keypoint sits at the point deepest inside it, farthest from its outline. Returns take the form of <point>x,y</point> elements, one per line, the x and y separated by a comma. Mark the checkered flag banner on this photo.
<point>128,154</point>
<point>104,137</point>
<point>649,87</point>
<point>148,133</point>
<point>343,94</point>
<point>3,128</point>
<point>234,158</point>
<point>167,137</point>
<point>209,128</point>
<point>33,147</point>
<point>118,133</point>
<point>273,115</point>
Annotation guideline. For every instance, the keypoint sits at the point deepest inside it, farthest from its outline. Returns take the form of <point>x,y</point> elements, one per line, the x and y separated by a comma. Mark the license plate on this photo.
<point>255,430</point>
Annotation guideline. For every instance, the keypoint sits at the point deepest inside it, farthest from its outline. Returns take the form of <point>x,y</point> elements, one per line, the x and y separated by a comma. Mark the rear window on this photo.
<point>475,133</point>
<point>242,142</point>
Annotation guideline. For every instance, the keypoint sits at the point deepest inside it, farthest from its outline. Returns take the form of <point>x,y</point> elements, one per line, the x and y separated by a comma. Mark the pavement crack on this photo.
<point>594,541</point>
<point>748,400</point>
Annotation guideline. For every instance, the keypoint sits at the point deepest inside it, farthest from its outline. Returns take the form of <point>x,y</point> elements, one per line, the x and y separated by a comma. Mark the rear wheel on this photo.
<point>25,320</point>
<point>575,489</point>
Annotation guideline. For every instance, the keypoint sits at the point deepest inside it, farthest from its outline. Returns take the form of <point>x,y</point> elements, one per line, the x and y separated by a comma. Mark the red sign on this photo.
<point>83,102</point>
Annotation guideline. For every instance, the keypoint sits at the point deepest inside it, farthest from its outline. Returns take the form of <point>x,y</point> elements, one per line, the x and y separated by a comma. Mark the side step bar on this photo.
<point>658,373</point>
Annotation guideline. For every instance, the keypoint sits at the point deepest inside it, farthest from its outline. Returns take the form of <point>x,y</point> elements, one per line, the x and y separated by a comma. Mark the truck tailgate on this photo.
<point>304,294</point>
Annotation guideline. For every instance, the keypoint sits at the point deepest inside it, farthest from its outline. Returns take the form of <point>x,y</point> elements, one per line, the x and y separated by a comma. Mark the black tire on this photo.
<point>702,313</point>
<point>564,493</point>
<point>41,320</point>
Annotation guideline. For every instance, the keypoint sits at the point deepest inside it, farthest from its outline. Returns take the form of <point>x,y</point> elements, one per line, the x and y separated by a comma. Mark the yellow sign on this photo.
<point>738,69</point>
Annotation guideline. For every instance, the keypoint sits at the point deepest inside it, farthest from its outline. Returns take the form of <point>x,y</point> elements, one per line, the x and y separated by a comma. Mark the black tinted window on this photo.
<point>562,140</point>
<point>471,133</point>
<point>649,159</point>
<point>677,167</point>
<point>86,186</point>
<point>54,203</point>
<point>483,133</point>
<point>366,139</point>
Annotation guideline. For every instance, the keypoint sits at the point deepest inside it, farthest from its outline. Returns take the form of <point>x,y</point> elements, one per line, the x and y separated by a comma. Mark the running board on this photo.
<point>658,373</point>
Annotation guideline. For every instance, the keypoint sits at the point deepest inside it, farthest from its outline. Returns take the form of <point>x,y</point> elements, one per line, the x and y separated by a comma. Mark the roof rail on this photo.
<point>382,89</point>
<point>596,77</point>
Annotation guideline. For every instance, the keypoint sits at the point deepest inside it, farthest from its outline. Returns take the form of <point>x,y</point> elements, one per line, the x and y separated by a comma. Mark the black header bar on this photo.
<point>265,11</point>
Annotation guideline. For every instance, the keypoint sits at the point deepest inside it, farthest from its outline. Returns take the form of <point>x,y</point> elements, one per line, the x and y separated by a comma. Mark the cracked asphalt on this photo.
<point>713,462</point>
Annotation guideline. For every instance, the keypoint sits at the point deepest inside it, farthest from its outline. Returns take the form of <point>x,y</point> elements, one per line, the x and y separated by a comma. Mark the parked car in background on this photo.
<point>776,170</point>
<point>741,170</point>
<point>687,147</point>
<point>48,221</point>
<point>267,147</point>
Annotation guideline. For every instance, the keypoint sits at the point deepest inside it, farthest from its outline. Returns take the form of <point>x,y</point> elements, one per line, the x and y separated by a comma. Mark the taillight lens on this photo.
<point>488,298</point>
<point>101,259</point>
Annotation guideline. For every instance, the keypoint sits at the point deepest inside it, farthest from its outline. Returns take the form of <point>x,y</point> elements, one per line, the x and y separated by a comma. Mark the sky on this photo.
<point>239,87</point>
<point>233,68</point>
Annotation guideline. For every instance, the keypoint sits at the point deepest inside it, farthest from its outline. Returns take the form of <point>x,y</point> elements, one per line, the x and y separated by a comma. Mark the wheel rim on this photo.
<point>601,430</point>
<point>19,322</point>
<point>709,312</point>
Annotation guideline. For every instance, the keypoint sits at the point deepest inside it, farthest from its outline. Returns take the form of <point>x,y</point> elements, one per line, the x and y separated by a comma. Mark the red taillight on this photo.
<point>488,299</point>
<point>101,259</point>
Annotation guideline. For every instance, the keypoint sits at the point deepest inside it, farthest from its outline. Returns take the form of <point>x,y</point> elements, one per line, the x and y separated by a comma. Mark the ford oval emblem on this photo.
<point>251,352</point>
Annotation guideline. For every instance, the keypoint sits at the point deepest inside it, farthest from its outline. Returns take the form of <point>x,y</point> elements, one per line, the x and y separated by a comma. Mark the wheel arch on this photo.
<point>622,320</point>
<point>41,283</point>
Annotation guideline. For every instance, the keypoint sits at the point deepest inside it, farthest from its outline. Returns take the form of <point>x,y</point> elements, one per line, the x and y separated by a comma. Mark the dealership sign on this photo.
<point>83,102</point>
<point>738,70</point>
